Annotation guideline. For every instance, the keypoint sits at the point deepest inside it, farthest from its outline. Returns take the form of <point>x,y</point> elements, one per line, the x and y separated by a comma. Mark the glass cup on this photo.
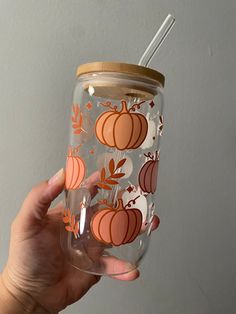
<point>116,122</point>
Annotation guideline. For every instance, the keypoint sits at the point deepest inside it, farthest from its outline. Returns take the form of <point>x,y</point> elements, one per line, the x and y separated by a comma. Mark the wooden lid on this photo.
<point>126,68</point>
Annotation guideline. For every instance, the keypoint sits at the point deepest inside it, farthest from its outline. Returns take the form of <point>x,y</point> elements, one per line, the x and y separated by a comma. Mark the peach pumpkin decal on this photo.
<point>75,170</point>
<point>121,129</point>
<point>116,226</point>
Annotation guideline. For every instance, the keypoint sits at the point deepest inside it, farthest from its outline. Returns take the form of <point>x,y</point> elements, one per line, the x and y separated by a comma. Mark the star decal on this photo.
<point>152,104</point>
<point>89,106</point>
<point>130,189</point>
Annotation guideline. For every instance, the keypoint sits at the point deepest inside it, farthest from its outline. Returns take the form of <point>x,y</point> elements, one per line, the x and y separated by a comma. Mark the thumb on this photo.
<point>37,202</point>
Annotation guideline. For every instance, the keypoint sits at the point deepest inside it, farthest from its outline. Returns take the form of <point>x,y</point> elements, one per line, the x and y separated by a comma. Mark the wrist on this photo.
<point>14,300</point>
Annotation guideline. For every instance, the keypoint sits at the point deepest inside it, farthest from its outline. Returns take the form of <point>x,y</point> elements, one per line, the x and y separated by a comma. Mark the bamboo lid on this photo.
<point>126,68</point>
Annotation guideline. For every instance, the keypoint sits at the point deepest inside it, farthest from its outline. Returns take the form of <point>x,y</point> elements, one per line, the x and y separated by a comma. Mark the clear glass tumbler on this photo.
<point>112,164</point>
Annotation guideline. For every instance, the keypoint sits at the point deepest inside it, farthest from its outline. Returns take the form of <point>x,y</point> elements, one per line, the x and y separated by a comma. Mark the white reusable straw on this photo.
<point>157,40</point>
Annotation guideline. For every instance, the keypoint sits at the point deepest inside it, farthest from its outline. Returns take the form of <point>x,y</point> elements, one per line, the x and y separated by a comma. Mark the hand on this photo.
<point>37,271</point>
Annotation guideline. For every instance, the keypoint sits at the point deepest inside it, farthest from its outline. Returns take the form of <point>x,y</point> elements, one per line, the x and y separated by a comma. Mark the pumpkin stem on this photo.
<point>120,205</point>
<point>124,107</point>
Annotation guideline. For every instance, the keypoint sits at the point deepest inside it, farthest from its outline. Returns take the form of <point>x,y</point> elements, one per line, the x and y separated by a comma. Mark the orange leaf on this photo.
<point>111,181</point>
<point>117,175</point>
<point>78,131</point>
<point>66,220</point>
<point>103,174</point>
<point>76,230</point>
<point>75,125</point>
<point>76,109</point>
<point>120,163</point>
<point>73,221</point>
<point>69,213</point>
<point>80,120</point>
<point>112,166</point>
<point>104,186</point>
<point>68,228</point>
<point>73,119</point>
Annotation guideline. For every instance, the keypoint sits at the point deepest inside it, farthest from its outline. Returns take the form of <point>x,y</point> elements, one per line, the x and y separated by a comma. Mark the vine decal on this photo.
<point>136,106</point>
<point>134,195</point>
<point>108,104</point>
<point>132,202</point>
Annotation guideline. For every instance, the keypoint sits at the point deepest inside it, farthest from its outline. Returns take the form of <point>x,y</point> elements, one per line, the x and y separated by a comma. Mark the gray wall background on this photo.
<point>191,264</point>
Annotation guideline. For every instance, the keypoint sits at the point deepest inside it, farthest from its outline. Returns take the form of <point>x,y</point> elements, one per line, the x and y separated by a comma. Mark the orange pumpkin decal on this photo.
<point>123,130</point>
<point>116,226</point>
<point>148,174</point>
<point>75,170</point>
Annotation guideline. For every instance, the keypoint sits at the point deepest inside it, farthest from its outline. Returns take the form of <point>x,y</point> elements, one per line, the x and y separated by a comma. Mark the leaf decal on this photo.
<point>109,181</point>
<point>66,219</point>
<point>73,220</point>
<point>118,175</point>
<point>120,163</point>
<point>72,226</point>
<point>69,213</point>
<point>105,182</point>
<point>77,227</point>
<point>104,186</point>
<point>77,119</point>
<point>69,228</point>
<point>80,120</point>
<point>78,131</point>
<point>75,125</point>
<point>103,174</point>
<point>112,165</point>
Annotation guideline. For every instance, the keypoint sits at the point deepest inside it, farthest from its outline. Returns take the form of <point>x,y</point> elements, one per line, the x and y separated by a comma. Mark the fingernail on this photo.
<point>59,176</point>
